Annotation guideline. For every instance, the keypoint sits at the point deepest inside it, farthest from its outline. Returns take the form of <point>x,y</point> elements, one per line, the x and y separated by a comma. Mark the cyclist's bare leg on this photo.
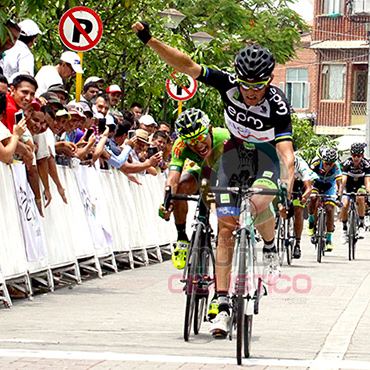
<point>298,221</point>
<point>312,207</point>
<point>361,206</point>
<point>187,185</point>
<point>329,217</point>
<point>345,207</point>
<point>225,249</point>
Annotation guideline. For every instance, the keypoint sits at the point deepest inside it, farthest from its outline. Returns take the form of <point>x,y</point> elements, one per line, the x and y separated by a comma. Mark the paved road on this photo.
<point>316,317</point>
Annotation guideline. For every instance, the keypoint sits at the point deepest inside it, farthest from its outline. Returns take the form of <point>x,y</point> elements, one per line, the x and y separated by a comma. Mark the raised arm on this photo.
<point>178,60</point>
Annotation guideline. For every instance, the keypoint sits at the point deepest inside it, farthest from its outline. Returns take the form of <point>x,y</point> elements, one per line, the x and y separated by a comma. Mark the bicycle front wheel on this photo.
<point>321,236</point>
<point>191,281</point>
<point>205,285</point>
<point>240,290</point>
<point>290,241</point>
<point>351,235</point>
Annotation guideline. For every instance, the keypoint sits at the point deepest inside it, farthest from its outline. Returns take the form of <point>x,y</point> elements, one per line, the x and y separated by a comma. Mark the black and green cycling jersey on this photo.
<point>181,152</point>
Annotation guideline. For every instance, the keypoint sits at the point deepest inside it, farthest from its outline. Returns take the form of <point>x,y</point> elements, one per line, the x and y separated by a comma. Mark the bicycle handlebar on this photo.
<point>168,197</point>
<point>243,190</point>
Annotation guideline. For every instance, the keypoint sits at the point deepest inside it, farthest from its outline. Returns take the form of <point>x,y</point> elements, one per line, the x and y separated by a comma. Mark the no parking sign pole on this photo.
<point>80,29</point>
<point>181,92</point>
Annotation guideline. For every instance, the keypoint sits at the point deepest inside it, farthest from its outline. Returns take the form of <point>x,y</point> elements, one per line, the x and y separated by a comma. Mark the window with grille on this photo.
<point>333,81</point>
<point>297,88</point>
<point>332,6</point>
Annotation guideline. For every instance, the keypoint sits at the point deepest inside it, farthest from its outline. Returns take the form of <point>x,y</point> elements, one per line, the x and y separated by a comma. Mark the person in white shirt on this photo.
<point>20,58</point>
<point>69,65</point>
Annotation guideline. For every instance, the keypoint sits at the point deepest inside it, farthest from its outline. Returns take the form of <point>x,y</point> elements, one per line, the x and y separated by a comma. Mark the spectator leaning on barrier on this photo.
<point>20,58</point>
<point>11,38</point>
<point>61,92</point>
<point>9,141</point>
<point>69,64</point>
<point>51,99</point>
<point>148,123</point>
<point>159,140</point>
<point>22,92</point>
<point>137,162</point>
<point>115,93</point>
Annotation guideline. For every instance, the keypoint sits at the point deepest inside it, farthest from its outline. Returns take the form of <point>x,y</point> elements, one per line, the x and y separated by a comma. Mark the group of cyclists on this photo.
<point>255,149</point>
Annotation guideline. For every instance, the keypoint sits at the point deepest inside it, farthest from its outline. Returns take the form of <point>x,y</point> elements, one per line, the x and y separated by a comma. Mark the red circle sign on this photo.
<point>80,28</point>
<point>180,92</point>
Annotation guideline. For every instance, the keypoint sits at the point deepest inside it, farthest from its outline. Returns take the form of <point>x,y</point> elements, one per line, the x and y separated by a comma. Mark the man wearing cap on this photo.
<point>98,80</point>
<point>148,123</point>
<point>137,162</point>
<point>69,64</point>
<point>20,58</point>
<point>114,93</point>
<point>11,37</point>
<point>61,92</point>
<point>51,98</point>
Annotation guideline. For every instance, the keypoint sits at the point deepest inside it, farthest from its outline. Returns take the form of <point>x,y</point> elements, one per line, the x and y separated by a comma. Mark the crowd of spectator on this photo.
<point>42,124</point>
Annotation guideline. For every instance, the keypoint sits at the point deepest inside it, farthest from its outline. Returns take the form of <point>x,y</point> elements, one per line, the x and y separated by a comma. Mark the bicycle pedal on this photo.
<point>219,334</point>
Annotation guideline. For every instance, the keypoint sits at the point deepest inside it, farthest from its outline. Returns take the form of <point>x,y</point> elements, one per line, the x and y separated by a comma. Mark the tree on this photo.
<point>121,58</point>
<point>306,142</point>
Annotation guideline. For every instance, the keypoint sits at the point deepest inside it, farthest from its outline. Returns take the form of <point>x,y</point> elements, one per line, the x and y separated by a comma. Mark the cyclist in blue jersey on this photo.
<point>259,152</point>
<point>327,167</point>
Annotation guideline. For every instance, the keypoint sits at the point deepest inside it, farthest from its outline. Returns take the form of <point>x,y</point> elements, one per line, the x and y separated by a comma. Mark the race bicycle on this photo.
<point>319,237</point>
<point>198,275</point>
<point>285,237</point>
<point>247,287</point>
<point>353,222</point>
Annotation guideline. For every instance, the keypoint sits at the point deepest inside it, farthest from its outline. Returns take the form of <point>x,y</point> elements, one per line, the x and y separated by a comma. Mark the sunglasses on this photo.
<point>253,85</point>
<point>200,138</point>
<point>357,155</point>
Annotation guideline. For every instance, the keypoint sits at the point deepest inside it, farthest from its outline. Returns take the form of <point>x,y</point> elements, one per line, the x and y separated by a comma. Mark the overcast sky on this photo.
<point>304,8</point>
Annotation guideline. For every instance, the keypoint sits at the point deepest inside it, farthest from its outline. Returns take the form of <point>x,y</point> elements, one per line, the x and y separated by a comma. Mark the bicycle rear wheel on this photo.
<point>240,290</point>
<point>191,281</point>
<point>290,241</point>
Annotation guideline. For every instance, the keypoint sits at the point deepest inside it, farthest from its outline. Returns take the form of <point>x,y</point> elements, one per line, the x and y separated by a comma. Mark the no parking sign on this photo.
<point>80,28</point>
<point>181,92</point>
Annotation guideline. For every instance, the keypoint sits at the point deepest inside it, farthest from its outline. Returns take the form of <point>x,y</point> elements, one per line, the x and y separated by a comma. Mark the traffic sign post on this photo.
<point>80,29</point>
<point>181,92</point>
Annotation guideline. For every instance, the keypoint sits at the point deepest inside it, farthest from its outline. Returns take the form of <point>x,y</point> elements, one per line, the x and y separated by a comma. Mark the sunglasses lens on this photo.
<point>196,140</point>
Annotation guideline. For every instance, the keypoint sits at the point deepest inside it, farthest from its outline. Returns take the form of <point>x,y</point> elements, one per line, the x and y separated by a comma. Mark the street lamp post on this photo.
<point>367,127</point>
<point>201,39</point>
<point>172,19</point>
<point>361,8</point>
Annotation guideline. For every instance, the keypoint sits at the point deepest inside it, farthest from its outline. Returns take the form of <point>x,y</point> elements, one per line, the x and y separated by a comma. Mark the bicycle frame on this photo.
<point>247,288</point>
<point>353,221</point>
<point>196,275</point>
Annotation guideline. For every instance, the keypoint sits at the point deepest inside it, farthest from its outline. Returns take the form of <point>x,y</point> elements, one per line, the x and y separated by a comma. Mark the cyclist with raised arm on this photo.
<point>258,117</point>
<point>327,167</point>
<point>356,179</point>
<point>199,142</point>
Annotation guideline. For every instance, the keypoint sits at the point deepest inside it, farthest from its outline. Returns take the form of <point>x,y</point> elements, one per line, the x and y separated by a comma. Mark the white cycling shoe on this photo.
<point>220,325</point>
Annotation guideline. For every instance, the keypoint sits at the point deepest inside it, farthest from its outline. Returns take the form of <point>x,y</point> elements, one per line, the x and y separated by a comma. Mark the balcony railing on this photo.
<point>358,112</point>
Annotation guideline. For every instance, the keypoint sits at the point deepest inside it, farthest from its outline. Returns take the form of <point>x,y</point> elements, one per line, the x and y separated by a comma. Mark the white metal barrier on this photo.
<point>108,219</point>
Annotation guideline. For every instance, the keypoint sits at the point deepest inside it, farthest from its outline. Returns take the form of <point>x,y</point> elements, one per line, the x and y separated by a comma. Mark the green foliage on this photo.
<point>122,59</point>
<point>306,142</point>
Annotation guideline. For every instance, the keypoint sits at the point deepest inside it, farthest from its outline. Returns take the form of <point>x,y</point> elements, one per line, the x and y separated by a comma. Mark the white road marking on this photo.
<point>339,338</point>
<point>111,356</point>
